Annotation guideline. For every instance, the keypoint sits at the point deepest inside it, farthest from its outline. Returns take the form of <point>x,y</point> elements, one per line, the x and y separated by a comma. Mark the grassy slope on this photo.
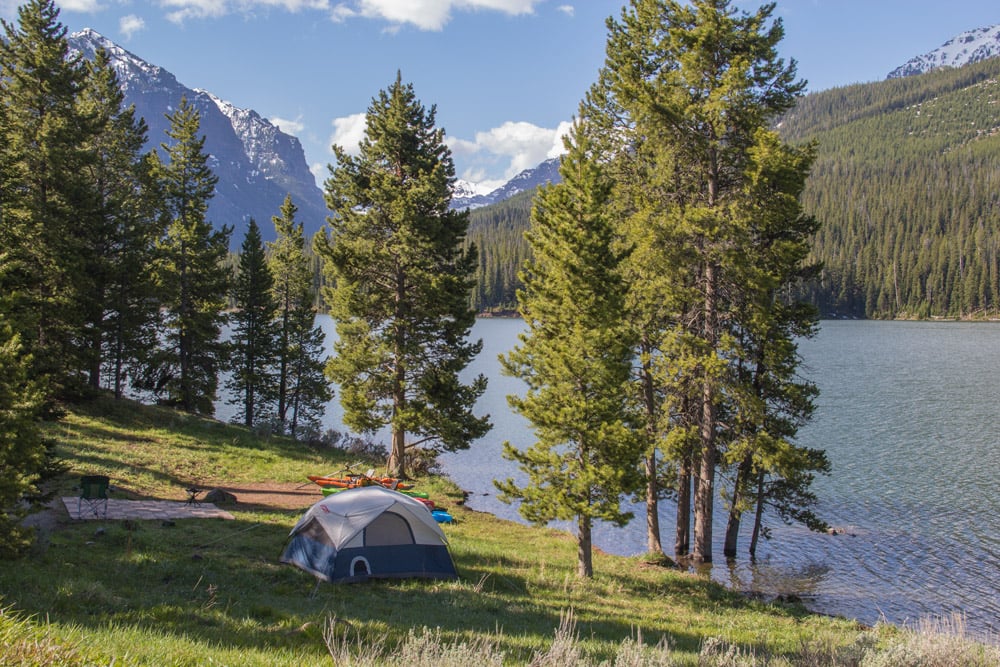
<point>206,591</point>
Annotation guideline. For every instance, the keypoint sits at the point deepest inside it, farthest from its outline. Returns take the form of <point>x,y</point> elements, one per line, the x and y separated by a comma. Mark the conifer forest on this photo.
<point>906,186</point>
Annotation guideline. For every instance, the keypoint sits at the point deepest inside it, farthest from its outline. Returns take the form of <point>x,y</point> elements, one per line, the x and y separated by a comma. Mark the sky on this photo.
<point>506,76</point>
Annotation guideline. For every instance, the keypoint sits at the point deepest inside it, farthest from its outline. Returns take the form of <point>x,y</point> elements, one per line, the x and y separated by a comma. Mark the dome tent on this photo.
<point>369,532</point>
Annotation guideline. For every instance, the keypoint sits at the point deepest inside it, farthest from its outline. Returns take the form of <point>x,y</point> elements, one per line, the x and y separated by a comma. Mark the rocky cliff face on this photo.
<point>256,163</point>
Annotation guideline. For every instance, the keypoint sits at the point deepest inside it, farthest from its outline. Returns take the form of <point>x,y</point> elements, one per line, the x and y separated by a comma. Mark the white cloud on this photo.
<point>521,145</point>
<point>568,10</point>
<point>492,158</point>
<point>293,127</point>
<point>431,14</point>
<point>558,148</point>
<point>129,25</point>
<point>213,8</point>
<point>423,14</point>
<point>348,132</point>
<point>293,5</point>
<point>320,172</point>
<point>195,9</point>
<point>88,6</point>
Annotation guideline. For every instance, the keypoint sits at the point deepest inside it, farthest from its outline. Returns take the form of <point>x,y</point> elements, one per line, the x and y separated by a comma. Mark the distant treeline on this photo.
<point>906,187</point>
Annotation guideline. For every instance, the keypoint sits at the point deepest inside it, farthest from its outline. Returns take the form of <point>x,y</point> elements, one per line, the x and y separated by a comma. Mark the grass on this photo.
<point>212,592</point>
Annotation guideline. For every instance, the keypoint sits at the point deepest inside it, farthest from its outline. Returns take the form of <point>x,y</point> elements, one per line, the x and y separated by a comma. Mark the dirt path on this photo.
<point>275,495</point>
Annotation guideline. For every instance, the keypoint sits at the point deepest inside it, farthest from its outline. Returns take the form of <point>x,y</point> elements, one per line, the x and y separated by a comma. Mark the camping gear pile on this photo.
<point>349,480</point>
<point>369,532</point>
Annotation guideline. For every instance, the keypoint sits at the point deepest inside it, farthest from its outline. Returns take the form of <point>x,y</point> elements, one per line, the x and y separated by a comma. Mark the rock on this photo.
<point>220,497</point>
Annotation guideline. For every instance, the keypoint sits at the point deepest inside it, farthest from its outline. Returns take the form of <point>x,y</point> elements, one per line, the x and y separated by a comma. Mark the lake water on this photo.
<point>908,417</point>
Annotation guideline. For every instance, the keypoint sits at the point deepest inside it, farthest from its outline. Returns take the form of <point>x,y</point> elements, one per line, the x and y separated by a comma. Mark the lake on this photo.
<point>908,417</point>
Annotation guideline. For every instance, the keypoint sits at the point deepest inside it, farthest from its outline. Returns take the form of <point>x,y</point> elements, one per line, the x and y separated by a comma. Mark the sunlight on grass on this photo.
<point>204,591</point>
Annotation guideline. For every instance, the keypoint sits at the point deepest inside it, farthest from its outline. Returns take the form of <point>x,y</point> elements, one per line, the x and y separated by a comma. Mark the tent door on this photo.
<point>360,567</point>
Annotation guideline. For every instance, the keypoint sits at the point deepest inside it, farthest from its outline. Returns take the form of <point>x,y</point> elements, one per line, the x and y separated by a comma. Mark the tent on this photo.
<point>369,532</point>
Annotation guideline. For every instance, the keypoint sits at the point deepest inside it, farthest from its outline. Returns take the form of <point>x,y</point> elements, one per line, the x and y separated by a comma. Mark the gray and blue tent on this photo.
<point>369,532</point>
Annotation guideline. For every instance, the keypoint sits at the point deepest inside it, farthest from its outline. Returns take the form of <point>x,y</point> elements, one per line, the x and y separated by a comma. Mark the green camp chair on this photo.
<point>93,496</point>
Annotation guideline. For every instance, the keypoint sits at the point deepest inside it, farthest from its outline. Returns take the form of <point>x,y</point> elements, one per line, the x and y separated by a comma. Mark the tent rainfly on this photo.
<point>369,532</point>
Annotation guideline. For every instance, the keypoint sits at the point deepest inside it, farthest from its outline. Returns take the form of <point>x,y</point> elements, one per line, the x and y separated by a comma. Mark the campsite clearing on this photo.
<point>207,591</point>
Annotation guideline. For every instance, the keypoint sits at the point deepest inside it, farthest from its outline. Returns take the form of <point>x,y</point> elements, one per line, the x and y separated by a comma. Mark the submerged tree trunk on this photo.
<point>735,512</point>
<point>758,515</point>
<point>682,535</point>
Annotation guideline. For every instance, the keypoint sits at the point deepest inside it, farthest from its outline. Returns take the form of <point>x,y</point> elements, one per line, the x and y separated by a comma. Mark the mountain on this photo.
<point>466,197</point>
<point>970,47</point>
<point>256,163</point>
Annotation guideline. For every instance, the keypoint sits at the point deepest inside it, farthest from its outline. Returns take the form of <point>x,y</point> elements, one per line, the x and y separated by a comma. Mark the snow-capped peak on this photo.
<point>969,47</point>
<point>463,189</point>
<point>126,64</point>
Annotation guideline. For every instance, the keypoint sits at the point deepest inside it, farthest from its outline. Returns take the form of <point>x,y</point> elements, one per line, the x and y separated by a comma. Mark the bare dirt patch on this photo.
<point>275,495</point>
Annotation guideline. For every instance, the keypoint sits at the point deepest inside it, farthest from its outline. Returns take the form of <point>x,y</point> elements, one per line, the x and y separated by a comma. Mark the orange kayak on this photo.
<point>355,481</point>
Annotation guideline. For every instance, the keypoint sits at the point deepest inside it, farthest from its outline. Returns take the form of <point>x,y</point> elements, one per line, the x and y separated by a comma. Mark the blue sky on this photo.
<point>505,75</point>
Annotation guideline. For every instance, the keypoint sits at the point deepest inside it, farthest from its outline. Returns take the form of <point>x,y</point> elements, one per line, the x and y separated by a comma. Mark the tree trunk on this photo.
<point>584,550</point>
<point>283,365</point>
<point>705,490</point>
<point>735,513</point>
<point>757,517</point>
<point>397,456</point>
<point>95,357</point>
<point>653,543</point>
<point>682,535</point>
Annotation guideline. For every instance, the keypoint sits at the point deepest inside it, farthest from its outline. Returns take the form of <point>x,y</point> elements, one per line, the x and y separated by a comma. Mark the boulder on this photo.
<point>219,497</point>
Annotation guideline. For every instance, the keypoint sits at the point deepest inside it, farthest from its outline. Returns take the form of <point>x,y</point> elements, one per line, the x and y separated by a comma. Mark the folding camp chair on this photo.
<point>93,496</point>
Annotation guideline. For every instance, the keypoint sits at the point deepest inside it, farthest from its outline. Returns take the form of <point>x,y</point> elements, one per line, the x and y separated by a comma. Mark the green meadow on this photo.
<point>212,592</point>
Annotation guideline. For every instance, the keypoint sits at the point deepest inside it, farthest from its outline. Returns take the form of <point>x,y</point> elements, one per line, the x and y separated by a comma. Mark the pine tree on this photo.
<point>22,452</point>
<point>122,312</point>
<point>255,333</point>
<point>308,389</point>
<point>770,402</point>
<point>301,387</point>
<point>401,283</point>
<point>696,81</point>
<point>44,143</point>
<point>575,358</point>
<point>191,272</point>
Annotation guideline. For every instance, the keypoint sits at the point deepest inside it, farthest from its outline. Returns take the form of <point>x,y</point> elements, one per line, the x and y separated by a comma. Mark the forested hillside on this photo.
<point>498,232</point>
<point>906,186</point>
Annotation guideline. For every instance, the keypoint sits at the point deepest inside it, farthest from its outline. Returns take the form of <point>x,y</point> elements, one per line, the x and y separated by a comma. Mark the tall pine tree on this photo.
<point>255,333</point>
<point>575,358</point>
<point>22,452</point>
<point>45,154</point>
<point>122,312</point>
<point>772,402</point>
<point>300,384</point>
<point>401,282</point>
<point>694,83</point>
<point>191,272</point>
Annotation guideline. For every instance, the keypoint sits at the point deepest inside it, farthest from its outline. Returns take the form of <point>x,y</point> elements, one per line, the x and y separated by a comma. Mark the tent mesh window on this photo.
<point>313,530</point>
<point>388,529</point>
